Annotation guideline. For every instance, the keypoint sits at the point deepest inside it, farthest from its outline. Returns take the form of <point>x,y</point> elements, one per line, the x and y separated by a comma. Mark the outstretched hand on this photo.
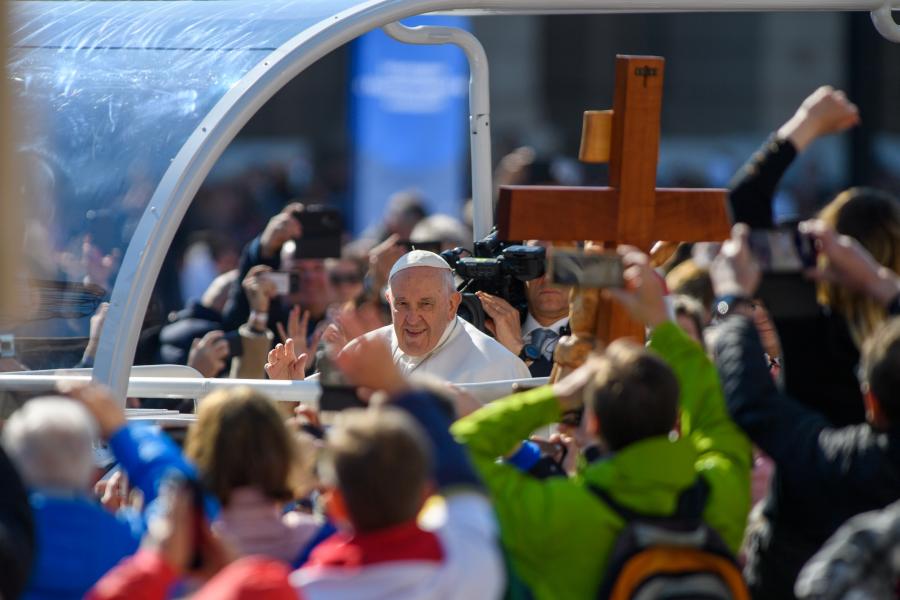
<point>209,353</point>
<point>171,534</point>
<point>284,364</point>
<point>643,293</point>
<point>850,265</point>
<point>367,362</point>
<point>99,401</point>
<point>281,228</point>
<point>735,271</point>
<point>504,321</point>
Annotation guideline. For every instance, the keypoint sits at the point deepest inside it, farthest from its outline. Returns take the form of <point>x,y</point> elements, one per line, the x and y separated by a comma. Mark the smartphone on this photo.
<point>783,250</point>
<point>336,398</point>
<point>323,228</point>
<point>285,282</point>
<point>433,246</point>
<point>574,267</point>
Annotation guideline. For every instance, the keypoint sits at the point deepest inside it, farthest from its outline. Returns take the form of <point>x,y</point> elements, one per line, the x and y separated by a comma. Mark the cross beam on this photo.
<point>631,210</point>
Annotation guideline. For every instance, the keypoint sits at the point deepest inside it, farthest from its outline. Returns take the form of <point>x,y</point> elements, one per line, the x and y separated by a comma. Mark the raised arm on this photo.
<point>824,112</point>
<point>146,454</point>
<point>724,456</point>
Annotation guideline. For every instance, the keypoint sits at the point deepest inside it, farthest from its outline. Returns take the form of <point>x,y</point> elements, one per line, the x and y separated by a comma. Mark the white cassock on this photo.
<point>463,355</point>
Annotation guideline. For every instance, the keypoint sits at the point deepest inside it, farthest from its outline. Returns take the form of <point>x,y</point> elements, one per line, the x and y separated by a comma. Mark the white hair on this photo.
<point>50,439</point>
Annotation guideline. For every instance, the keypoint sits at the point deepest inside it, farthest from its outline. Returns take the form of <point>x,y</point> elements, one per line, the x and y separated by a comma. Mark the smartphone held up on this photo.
<point>587,270</point>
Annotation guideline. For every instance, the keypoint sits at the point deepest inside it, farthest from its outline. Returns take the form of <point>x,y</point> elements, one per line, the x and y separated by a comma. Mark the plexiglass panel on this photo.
<point>110,91</point>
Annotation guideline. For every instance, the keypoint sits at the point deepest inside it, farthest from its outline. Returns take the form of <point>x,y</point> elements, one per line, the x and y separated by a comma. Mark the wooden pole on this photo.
<point>10,213</point>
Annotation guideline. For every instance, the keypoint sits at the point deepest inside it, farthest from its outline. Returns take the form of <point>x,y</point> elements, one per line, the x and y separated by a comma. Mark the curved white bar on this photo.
<point>479,112</point>
<point>884,22</point>
<point>307,392</point>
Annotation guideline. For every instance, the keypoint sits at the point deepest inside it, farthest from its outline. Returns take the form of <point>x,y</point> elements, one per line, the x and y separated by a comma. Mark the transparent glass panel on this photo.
<point>110,91</point>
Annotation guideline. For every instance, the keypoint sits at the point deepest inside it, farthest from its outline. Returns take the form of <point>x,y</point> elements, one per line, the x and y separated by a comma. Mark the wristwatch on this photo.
<point>726,305</point>
<point>529,352</point>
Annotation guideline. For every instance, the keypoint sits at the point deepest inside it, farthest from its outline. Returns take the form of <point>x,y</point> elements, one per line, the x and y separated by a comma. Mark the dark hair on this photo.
<point>239,440</point>
<point>634,396</point>
<point>881,367</point>
<point>380,460</point>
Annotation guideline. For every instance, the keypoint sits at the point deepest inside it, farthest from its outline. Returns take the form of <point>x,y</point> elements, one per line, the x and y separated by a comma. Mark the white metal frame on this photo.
<point>193,388</point>
<point>153,236</point>
<point>479,111</point>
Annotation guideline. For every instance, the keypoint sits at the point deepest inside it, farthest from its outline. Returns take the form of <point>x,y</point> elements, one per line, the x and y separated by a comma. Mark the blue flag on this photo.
<point>409,122</point>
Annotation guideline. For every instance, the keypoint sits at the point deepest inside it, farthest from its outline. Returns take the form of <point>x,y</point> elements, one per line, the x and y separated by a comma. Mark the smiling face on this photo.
<point>423,302</point>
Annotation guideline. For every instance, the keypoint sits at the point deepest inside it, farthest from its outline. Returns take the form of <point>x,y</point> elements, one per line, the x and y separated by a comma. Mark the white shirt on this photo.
<point>471,567</point>
<point>462,355</point>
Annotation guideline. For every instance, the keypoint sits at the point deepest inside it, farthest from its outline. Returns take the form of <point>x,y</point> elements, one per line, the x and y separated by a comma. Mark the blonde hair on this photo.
<point>872,217</point>
<point>240,440</point>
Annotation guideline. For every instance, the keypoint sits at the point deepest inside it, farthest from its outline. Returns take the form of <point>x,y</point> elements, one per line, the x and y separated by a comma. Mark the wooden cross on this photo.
<point>632,210</point>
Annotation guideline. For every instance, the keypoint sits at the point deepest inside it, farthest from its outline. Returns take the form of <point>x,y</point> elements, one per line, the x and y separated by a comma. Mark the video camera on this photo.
<point>498,268</point>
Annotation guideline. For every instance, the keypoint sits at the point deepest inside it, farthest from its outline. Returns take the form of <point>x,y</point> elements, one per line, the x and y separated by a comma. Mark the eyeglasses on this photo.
<point>345,278</point>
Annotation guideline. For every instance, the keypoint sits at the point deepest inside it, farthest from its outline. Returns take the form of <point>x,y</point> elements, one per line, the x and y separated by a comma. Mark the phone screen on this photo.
<point>782,250</point>
<point>586,270</point>
<point>286,283</point>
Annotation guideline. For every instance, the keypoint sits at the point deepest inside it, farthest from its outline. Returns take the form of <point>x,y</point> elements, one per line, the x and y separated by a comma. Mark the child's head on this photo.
<point>881,374</point>
<point>634,396</point>
<point>240,440</point>
<point>378,463</point>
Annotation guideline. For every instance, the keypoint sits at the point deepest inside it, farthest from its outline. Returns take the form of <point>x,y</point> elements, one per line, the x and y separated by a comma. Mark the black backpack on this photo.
<point>677,557</point>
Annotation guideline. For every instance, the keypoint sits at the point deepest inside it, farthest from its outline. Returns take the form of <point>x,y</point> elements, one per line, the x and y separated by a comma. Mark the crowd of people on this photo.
<point>750,449</point>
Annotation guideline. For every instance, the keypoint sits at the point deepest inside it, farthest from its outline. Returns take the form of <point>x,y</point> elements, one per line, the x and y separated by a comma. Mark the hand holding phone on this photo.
<point>783,250</point>
<point>575,267</point>
<point>285,282</point>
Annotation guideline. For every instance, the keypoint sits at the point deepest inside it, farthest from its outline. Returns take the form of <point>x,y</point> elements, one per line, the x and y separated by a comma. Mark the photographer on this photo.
<point>825,474</point>
<point>276,248</point>
<point>534,339</point>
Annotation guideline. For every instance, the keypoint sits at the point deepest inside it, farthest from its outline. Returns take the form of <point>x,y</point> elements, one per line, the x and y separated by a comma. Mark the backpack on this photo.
<point>675,557</point>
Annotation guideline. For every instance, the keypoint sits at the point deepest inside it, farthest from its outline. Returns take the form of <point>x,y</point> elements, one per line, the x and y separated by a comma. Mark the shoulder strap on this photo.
<point>691,503</point>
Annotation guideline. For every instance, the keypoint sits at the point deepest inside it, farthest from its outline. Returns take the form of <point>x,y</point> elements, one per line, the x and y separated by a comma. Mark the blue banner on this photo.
<point>409,122</point>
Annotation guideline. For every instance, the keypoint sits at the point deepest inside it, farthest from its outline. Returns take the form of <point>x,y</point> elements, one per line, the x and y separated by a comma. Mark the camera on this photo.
<point>498,268</point>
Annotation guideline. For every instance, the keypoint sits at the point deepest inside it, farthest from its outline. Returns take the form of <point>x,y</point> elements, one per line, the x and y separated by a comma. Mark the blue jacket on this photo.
<point>77,539</point>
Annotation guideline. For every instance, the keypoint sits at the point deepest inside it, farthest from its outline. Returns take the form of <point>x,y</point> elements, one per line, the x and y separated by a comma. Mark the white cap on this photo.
<point>418,258</point>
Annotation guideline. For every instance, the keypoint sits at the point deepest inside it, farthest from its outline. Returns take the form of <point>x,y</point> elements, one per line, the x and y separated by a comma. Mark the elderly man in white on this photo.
<point>426,336</point>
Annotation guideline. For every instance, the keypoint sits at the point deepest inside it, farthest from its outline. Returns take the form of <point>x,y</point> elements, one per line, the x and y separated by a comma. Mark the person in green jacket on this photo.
<point>558,533</point>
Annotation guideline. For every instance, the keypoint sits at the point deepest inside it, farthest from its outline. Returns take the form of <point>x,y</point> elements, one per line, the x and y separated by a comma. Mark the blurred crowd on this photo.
<point>750,449</point>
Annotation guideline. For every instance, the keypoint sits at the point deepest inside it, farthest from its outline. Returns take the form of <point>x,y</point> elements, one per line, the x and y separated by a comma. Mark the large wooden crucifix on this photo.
<point>631,210</point>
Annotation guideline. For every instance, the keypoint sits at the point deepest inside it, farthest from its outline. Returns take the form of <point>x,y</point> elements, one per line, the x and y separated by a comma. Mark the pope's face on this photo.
<point>422,305</point>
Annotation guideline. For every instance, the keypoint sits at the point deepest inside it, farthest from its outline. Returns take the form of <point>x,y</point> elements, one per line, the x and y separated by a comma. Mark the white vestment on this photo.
<point>463,355</point>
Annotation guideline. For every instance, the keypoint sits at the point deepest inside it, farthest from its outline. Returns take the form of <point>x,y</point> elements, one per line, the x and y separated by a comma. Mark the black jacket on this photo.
<point>819,356</point>
<point>194,321</point>
<point>16,531</point>
<point>824,474</point>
